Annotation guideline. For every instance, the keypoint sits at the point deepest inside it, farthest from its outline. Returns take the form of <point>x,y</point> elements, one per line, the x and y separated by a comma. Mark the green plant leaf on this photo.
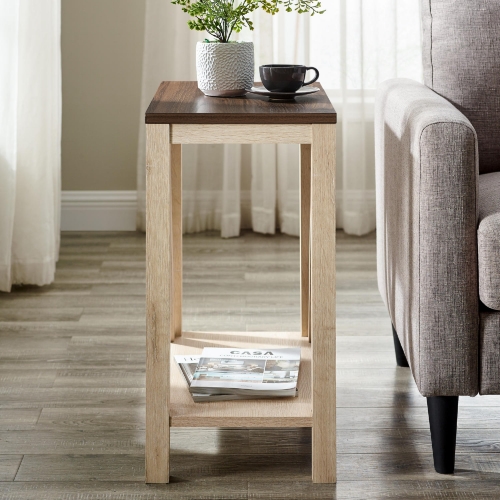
<point>220,18</point>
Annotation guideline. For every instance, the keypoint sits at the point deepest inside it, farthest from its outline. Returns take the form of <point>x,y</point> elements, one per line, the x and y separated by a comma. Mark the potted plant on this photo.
<point>225,68</point>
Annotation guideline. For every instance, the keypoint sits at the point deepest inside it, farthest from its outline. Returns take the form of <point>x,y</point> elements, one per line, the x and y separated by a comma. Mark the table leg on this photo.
<point>323,303</point>
<point>305,214</point>
<point>176,169</point>
<point>309,311</point>
<point>158,301</point>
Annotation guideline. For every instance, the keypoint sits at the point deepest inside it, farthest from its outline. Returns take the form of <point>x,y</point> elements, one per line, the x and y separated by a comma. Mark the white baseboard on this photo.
<point>98,210</point>
<point>116,210</point>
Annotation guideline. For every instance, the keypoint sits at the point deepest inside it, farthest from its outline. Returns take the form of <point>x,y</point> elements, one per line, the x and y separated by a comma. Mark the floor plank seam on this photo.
<point>18,467</point>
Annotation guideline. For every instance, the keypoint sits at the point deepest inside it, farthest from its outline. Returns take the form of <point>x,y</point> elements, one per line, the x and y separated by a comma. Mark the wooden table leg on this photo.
<point>323,318</point>
<point>176,169</point>
<point>305,214</point>
<point>309,310</point>
<point>158,301</point>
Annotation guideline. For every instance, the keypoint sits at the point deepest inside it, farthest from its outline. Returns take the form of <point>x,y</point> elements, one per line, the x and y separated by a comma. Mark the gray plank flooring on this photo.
<point>72,383</point>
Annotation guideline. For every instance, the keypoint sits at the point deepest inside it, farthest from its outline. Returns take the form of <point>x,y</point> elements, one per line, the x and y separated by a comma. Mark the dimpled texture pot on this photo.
<point>225,69</point>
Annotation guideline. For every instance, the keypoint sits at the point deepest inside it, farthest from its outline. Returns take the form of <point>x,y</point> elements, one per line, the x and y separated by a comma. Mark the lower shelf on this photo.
<point>286,412</point>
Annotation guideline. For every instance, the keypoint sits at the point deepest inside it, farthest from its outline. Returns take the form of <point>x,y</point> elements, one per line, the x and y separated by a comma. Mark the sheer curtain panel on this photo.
<point>30,141</point>
<point>355,45</point>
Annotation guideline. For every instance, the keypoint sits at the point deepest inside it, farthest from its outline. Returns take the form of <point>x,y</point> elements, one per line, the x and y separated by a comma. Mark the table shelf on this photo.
<point>279,412</point>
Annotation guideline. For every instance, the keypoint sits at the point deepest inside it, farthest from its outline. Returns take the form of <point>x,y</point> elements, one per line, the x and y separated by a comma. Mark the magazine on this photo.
<point>269,372</point>
<point>188,365</point>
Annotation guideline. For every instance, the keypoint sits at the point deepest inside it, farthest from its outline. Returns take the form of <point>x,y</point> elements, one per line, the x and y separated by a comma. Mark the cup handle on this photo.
<point>314,79</point>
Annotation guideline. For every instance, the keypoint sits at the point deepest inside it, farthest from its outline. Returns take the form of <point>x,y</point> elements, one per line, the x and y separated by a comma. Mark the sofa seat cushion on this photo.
<point>488,240</point>
<point>489,352</point>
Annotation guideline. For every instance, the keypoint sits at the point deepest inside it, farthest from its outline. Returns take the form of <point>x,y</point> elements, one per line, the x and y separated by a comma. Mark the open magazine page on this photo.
<point>250,369</point>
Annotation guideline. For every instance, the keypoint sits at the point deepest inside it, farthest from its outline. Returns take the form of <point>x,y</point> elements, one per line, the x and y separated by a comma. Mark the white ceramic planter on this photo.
<point>224,69</point>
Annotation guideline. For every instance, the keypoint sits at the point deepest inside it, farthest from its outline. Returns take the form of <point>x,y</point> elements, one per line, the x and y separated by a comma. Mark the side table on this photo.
<point>181,114</point>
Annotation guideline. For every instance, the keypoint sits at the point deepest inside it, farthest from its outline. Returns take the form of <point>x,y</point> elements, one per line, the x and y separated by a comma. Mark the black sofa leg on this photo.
<point>443,414</point>
<point>400,354</point>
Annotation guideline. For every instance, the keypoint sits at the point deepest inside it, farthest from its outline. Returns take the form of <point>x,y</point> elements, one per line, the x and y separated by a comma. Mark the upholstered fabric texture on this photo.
<point>461,55</point>
<point>489,372</point>
<point>488,240</point>
<point>426,174</point>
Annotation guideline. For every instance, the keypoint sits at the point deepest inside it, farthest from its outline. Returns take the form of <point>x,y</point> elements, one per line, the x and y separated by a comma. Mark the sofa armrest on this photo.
<point>427,177</point>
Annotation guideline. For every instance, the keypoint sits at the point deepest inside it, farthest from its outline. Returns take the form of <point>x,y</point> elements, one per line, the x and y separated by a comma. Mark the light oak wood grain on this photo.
<point>309,319</point>
<point>241,134</point>
<point>315,285</point>
<point>176,168</point>
<point>159,301</point>
<point>323,315</point>
<point>286,412</point>
<point>305,217</point>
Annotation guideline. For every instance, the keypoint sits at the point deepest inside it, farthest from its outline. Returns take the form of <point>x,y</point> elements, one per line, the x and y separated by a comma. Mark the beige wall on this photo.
<point>102,43</point>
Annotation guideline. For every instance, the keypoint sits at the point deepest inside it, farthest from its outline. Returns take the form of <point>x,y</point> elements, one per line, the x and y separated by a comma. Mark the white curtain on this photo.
<point>30,140</point>
<point>355,45</point>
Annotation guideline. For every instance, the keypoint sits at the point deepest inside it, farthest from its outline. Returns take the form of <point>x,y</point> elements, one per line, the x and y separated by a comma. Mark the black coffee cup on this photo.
<point>285,77</point>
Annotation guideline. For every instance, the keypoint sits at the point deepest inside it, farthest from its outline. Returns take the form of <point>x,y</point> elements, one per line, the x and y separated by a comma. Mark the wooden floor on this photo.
<point>72,380</point>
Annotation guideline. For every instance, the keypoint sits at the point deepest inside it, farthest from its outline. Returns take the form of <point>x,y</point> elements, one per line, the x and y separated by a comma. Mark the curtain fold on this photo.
<point>30,141</point>
<point>263,188</point>
<point>356,45</point>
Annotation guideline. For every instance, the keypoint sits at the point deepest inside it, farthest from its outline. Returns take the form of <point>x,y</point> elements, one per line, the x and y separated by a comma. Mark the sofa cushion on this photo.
<point>489,352</point>
<point>461,56</point>
<point>488,240</point>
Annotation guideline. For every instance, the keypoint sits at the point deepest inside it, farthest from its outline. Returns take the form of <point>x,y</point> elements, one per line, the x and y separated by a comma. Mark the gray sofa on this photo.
<point>438,212</point>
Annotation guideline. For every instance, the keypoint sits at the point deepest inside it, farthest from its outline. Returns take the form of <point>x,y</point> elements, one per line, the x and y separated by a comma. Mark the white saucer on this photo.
<point>282,96</point>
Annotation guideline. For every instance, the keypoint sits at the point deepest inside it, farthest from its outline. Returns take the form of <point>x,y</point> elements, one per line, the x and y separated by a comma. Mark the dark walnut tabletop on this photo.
<point>183,102</point>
